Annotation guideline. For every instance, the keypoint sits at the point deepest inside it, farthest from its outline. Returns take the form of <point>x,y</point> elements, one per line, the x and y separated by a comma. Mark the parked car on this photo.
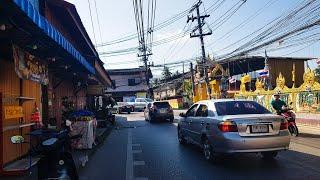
<point>122,107</point>
<point>140,103</point>
<point>158,110</point>
<point>233,126</point>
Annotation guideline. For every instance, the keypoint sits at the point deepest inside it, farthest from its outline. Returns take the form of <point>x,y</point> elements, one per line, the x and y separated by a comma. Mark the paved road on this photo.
<point>139,150</point>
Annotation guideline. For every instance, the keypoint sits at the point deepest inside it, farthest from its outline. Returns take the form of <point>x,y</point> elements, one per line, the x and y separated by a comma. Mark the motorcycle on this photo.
<point>55,149</point>
<point>290,116</point>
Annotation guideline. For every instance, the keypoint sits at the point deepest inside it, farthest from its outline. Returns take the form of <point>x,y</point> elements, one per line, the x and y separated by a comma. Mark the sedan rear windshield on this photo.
<point>239,107</point>
<point>162,104</point>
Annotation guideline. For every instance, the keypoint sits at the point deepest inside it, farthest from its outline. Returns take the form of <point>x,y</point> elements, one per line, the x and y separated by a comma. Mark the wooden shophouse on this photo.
<point>45,54</point>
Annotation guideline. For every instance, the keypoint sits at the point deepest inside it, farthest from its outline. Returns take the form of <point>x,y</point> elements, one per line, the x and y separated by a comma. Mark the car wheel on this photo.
<point>129,112</point>
<point>207,149</point>
<point>269,155</point>
<point>293,129</point>
<point>181,138</point>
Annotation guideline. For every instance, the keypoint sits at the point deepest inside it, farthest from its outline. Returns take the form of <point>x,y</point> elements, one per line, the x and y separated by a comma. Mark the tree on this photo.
<point>156,82</point>
<point>176,74</point>
<point>317,73</point>
<point>166,74</point>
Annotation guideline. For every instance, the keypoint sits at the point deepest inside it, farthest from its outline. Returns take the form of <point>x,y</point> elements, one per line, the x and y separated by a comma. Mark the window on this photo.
<point>148,100</point>
<point>192,110</point>
<point>162,104</point>
<point>131,82</point>
<point>239,107</point>
<point>114,82</point>
<point>202,111</point>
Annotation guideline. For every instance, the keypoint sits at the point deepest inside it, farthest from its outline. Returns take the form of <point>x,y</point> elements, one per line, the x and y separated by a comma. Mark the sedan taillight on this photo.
<point>228,126</point>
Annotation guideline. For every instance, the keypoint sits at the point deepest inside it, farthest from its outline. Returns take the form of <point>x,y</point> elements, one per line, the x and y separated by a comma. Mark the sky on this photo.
<point>115,19</point>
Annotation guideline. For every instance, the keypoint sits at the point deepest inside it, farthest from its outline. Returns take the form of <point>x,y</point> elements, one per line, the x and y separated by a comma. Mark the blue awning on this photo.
<point>42,23</point>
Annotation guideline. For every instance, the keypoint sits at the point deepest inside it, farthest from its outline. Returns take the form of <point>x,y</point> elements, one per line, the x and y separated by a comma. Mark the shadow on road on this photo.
<point>309,135</point>
<point>253,165</point>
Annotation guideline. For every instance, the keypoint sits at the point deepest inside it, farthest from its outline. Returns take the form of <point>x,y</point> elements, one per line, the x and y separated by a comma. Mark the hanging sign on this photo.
<point>29,67</point>
<point>11,112</point>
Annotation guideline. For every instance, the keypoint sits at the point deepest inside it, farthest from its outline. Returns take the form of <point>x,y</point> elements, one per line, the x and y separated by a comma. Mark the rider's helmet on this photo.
<point>277,94</point>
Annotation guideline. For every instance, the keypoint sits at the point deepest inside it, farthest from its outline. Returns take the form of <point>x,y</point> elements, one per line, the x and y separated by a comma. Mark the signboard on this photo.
<point>95,90</point>
<point>11,112</point>
<point>141,94</point>
<point>29,67</point>
<point>129,98</point>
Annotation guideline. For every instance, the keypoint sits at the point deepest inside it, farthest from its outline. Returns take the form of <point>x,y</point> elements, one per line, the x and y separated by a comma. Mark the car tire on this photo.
<point>129,112</point>
<point>181,138</point>
<point>269,155</point>
<point>293,129</point>
<point>207,149</point>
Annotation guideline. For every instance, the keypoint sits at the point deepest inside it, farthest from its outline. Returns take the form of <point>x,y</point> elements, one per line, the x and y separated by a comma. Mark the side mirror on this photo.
<point>17,139</point>
<point>182,115</point>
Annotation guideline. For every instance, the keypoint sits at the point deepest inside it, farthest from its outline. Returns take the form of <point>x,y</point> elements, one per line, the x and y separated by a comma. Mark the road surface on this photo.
<point>136,149</point>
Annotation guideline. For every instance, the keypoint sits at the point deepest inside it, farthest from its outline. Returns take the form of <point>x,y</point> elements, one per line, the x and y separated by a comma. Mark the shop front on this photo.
<point>40,70</point>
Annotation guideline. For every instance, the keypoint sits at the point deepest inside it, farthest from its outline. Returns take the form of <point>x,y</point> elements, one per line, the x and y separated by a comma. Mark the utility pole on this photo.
<point>192,79</point>
<point>145,56</point>
<point>183,77</point>
<point>201,23</point>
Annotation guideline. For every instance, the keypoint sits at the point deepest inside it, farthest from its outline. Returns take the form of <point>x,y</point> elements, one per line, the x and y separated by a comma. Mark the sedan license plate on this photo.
<point>259,128</point>
<point>163,111</point>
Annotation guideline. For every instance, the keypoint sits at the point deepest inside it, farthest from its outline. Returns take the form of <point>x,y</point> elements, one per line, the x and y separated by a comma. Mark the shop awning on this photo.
<point>54,34</point>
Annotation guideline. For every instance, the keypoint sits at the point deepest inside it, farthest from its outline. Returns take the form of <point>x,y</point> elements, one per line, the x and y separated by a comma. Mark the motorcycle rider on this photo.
<point>277,103</point>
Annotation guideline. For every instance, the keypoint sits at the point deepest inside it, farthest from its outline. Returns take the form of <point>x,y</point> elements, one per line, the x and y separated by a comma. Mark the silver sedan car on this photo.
<point>233,126</point>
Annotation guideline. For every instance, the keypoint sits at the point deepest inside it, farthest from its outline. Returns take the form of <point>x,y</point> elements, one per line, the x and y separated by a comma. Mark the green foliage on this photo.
<point>156,82</point>
<point>317,73</point>
<point>166,74</point>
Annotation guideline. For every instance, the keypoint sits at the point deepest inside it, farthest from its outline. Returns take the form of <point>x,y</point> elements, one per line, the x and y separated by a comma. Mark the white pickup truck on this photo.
<point>140,103</point>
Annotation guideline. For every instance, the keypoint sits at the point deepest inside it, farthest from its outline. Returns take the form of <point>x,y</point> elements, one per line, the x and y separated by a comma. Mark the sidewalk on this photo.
<point>81,157</point>
<point>308,123</point>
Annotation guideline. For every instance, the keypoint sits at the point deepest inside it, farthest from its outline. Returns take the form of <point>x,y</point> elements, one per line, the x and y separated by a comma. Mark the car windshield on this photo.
<point>239,107</point>
<point>162,104</point>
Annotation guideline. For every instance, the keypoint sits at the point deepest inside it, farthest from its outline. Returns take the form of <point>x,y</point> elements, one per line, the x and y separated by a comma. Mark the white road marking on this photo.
<point>129,163</point>
<point>136,151</point>
<point>141,178</point>
<point>139,163</point>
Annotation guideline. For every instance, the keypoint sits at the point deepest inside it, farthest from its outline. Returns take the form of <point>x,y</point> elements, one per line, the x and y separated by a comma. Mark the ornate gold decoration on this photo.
<point>244,79</point>
<point>259,86</point>
<point>310,83</point>
<point>293,74</point>
<point>216,69</point>
<point>281,84</point>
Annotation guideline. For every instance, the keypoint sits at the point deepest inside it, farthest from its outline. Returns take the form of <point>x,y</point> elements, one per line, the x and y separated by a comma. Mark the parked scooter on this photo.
<point>56,161</point>
<point>290,116</point>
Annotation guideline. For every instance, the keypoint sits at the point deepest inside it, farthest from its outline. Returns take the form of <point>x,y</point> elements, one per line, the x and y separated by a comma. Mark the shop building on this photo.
<point>46,55</point>
<point>129,84</point>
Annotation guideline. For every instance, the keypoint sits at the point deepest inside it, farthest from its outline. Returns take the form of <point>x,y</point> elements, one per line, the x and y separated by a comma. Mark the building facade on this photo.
<point>45,56</point>
<point>129,84</point>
